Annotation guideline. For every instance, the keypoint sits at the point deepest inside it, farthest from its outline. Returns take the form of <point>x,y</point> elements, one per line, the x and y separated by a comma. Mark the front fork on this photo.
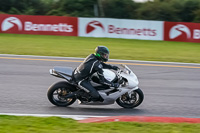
<point>131,91</point>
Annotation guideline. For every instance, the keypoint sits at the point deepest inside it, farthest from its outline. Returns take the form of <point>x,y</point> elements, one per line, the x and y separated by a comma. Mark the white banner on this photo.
<point>121,28</point>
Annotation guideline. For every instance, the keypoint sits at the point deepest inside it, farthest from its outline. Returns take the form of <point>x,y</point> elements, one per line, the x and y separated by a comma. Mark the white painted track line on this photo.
<point>75,117</point>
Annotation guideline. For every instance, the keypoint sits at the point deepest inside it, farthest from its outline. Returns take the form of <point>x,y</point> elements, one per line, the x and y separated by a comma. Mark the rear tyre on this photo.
<point>57,93</point>
<point>131,100</point>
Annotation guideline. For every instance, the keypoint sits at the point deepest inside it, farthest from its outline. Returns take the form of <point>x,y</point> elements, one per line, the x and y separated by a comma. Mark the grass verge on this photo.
<point>82,46</point>
<point>15,124</point>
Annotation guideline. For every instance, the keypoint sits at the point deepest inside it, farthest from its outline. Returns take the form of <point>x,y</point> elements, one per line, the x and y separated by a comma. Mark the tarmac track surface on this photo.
<point>170,89</point>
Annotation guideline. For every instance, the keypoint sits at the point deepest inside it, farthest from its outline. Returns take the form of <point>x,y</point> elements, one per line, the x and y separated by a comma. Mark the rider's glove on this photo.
<point>115,85</point>
<point>115,68</point>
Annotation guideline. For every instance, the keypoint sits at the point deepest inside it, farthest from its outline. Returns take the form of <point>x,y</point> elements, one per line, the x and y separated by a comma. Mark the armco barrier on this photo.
<point>41,25</point>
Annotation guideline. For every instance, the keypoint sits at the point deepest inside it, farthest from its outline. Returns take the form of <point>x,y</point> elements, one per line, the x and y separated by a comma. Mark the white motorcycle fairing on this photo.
<point>129,86</point>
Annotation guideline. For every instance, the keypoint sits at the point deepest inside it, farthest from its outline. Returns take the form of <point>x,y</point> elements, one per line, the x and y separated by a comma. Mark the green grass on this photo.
<point>82,46</point>
<point>14,124</point>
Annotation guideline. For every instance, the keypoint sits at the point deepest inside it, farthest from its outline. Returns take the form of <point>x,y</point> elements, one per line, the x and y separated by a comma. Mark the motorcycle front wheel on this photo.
<point>57,93</point>
<point>131,100</point>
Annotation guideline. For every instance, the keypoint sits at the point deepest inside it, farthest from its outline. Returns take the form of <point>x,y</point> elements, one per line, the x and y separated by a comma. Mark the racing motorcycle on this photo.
<point>65,93</point>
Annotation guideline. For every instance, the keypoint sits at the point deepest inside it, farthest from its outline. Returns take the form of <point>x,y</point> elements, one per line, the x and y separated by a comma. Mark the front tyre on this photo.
<point>131,100</point>
<point>57,93</point>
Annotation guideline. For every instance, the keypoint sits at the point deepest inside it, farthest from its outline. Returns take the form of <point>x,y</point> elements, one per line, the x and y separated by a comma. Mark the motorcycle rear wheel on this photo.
<point>127,101</point>
<point>57,93</point>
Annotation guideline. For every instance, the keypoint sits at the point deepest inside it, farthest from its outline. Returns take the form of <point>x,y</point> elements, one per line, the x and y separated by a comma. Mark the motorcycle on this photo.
<point>65,93</point>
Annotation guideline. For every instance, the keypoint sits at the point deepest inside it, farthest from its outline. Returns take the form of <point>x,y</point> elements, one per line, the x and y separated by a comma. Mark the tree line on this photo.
<point>161,10</point>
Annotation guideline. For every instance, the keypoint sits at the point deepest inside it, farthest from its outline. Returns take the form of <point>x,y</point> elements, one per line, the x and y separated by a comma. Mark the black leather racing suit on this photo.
<point>83,72</point>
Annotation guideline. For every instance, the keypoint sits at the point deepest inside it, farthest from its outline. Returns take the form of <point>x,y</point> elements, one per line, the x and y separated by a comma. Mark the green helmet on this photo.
<point>102,53</point>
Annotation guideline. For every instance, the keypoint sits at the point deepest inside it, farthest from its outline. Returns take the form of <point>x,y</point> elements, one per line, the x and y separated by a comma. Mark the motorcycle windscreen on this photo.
<point>109,75</point>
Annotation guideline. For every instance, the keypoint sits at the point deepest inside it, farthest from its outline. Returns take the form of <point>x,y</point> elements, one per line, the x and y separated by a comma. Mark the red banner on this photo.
<point>180,31</point>
<point>42,25</point>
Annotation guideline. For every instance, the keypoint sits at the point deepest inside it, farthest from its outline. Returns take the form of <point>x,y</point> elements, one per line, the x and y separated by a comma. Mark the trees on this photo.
<point>187,13</point>
<point>164,10</point>
<point>158,10</point>
<point>29,7</point>
<point>83,8</point>
<point>120,8</point>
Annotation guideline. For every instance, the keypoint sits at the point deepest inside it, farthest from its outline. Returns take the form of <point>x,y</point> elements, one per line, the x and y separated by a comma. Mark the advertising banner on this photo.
<point>180,31</point>
<point>42,25</point>
<point>121,28</point>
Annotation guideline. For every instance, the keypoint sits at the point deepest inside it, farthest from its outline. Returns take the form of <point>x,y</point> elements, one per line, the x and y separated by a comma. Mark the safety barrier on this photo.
<point>100,27</point>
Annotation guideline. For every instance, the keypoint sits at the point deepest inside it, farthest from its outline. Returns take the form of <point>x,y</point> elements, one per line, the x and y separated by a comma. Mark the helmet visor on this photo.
<point>105,56</point>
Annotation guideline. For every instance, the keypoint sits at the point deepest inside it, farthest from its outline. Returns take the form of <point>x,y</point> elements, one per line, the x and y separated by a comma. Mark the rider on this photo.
<point>94,63</point>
